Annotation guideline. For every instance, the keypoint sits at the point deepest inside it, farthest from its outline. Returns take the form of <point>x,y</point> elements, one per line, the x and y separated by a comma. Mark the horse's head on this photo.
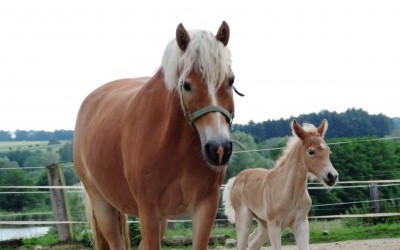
<point>197,64</point>
<point>316,152</point>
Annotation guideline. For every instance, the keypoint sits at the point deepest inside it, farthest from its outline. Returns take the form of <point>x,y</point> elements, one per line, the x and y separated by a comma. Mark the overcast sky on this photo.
<point>289,57</point>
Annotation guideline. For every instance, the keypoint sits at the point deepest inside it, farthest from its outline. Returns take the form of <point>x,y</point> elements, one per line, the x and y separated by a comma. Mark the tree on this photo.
<point>243,160</point>
<point>66,152</point>
<point>5,136</point>
<point>41,159</point>
<point>16,177</point>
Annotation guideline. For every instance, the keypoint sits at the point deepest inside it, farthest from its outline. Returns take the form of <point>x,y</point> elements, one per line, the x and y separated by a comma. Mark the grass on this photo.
<point>320,231</point>
<point>8,146</point>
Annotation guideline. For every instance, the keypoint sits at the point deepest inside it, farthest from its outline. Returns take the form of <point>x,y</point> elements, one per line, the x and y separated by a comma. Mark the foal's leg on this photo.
<point>105,224</point>
<point>275,234</point>
<point>259,236</point>
<point>243,220</point>
<point>301,233</point>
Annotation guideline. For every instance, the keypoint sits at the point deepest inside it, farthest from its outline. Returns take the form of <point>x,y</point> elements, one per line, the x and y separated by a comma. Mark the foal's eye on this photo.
<point>311,152</point>
<point>186,86</point>
<point>231,81</point>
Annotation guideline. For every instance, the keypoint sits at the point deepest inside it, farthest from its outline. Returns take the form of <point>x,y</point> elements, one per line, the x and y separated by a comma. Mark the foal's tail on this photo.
<point>226,199</point>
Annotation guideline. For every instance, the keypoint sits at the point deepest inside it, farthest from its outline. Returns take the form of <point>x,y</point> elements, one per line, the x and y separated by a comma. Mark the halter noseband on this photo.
<point>203,111</point>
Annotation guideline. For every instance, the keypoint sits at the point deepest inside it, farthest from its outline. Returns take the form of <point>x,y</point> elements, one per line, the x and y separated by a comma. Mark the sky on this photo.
<point>289,57</point>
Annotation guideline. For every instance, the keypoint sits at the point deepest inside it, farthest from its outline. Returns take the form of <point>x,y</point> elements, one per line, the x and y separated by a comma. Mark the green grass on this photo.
<point>9,146</point>
<point>356,232</point>
<point>320,231</point>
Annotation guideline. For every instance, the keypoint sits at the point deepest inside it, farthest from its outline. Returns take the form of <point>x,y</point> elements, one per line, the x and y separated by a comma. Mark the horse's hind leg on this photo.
<point>244,219</point>
<point>109,226</point>
<point>259,236</point>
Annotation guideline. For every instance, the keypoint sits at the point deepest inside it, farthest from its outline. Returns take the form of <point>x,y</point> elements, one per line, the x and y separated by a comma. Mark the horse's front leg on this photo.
<point>203,221</point>
<point>301,233</point>
<point>151,227</point>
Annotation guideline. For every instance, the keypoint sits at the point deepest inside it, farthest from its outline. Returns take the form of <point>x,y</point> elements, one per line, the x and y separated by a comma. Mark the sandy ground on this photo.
<point>375,244</point>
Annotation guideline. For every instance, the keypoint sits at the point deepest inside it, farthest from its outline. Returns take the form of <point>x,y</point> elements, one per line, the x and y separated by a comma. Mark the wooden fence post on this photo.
<point>59,202</point>
<point>373,192</point>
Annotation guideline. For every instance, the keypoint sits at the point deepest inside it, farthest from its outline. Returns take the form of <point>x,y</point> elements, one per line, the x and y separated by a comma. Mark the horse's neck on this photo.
<point>292,173</point>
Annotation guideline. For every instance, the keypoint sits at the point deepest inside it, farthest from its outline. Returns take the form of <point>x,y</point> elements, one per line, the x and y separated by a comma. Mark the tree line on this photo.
<point>351,123</point>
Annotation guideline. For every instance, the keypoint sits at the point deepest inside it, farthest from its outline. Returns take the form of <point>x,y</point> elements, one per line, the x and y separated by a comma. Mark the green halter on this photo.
<point>192,117</point>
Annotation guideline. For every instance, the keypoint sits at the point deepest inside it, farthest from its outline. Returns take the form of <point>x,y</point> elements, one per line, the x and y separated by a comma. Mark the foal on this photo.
<point>278,198</point>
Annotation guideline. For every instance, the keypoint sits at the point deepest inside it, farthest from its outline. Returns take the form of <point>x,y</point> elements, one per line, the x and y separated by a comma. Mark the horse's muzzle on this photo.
<point>331,179</point>
<point>218,154</point>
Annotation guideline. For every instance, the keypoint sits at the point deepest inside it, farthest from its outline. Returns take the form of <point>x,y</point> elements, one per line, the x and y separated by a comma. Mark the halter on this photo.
<point>192,117</point>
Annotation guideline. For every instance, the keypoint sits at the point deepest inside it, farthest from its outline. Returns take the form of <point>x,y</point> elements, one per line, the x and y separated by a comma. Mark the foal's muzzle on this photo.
<point>331,179</point>
<point>218,153</point>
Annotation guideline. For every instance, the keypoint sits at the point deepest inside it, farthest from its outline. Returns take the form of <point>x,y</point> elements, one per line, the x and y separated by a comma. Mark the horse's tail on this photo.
<point>226,199</point>
<point>98,238</point>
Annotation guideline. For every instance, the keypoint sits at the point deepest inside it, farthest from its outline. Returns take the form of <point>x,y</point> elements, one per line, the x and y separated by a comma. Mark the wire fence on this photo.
<point>312,186</point>
<point>360,184</point>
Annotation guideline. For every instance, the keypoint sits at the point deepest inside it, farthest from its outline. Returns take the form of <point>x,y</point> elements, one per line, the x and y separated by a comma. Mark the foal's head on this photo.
<point>315,151</point>
<point>197,65</point>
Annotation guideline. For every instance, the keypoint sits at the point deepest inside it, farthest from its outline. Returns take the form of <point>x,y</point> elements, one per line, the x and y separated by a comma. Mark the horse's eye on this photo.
<point>311,152</point>
<point>231,81</point>
<point>186,86</point>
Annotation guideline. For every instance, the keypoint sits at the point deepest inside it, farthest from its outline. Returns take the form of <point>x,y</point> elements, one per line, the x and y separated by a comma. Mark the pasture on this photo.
<point>7,146</point>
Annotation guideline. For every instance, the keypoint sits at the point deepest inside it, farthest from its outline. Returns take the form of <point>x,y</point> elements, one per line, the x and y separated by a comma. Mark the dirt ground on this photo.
<point>375,244</point>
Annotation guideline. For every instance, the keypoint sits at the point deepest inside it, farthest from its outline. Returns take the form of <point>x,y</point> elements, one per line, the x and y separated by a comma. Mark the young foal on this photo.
<point>278,198</point>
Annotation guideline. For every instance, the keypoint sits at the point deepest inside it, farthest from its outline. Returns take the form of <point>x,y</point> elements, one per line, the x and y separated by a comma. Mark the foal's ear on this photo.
<point>223,33</point>
<point>297,130</point>
<point>323,127</point>
<point>182,37</point>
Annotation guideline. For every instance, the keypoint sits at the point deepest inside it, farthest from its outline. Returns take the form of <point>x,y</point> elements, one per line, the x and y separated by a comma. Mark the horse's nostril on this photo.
<point>218,153</point>
<point>332,177</point>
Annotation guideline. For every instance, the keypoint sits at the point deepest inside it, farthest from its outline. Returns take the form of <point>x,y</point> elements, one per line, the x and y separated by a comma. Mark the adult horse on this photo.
<point>278,197</point>
<point>157,147</point>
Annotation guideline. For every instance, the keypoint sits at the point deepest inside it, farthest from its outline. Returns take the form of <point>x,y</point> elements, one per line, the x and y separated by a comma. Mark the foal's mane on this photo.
<point>204,54</point>
<point>293,143</point>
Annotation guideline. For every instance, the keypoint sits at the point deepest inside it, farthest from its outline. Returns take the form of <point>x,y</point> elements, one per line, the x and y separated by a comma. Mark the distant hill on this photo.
<point>396,123</point>
<point>351,123</point>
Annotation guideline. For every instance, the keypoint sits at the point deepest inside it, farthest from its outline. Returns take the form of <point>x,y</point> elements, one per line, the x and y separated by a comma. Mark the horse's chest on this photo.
<point>297,212</point>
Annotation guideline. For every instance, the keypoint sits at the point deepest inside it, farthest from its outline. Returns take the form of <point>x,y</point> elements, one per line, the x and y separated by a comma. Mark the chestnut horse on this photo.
<point>157,147</point>
<point>278,198</point>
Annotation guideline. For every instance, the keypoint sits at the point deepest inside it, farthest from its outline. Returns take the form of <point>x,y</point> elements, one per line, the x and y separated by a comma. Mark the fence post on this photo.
<point>59,202</point>
<point>374,196</point>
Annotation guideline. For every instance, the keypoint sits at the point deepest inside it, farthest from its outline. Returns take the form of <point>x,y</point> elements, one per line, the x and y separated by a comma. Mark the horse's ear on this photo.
<point>323,127</point>
<point>182,37</point>
<point>297,130</point>
<point>223,33</point>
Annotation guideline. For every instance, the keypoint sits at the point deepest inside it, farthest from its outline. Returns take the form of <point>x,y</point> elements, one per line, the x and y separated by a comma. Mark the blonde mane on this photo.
<point>204,54</point>
<point>293,142</point>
